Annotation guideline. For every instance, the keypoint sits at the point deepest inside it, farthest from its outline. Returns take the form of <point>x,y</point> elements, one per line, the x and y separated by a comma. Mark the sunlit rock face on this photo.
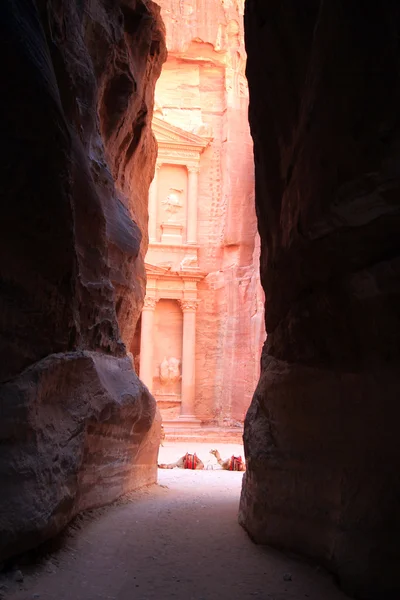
<point>77,427</point>
<point>202,91</point>
<point>321,435</point>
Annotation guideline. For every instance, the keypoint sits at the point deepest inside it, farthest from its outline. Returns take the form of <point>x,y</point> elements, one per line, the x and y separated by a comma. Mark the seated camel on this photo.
<point>188,461</point>
<point>234,463</point>
<point>192,461</point>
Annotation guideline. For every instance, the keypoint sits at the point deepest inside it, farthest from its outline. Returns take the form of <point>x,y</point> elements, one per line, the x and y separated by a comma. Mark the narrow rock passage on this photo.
<point>177,540</point>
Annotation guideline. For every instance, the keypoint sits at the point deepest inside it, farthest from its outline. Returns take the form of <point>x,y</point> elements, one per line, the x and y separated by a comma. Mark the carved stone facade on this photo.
<point>204,303</point>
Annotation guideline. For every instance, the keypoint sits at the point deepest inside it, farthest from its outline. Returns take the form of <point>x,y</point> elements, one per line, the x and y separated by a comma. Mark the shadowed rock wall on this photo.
<point>77,427</point>
<point>321,435</point>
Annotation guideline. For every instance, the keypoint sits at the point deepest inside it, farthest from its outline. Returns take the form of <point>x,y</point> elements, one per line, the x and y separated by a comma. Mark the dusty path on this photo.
<point>181,541</point>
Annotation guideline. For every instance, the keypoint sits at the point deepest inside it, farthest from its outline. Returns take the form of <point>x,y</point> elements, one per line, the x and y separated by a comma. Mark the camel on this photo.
<point>234,463</point>
<point>188,461</point>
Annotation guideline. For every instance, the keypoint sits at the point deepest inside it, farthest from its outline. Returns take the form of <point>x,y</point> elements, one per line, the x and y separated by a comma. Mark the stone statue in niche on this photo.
<point>173,202</point>
<point>170,371</point>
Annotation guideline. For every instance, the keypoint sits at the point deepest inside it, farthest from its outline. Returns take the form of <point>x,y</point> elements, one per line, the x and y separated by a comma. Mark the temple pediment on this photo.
<point>154,270</point>
<point>172,136</point>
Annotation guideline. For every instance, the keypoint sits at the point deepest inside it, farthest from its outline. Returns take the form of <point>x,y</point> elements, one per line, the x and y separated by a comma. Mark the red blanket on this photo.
<point>235,463</point>
<point>190,461</point>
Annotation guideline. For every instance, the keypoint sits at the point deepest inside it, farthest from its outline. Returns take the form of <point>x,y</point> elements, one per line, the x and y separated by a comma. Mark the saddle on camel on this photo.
<point>189,461</point>
<point>235,463</point>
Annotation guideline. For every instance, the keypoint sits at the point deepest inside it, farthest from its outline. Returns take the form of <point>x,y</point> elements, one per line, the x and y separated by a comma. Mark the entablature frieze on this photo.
<point>187,299</point>
<point>177,276</point>
<point>178,158</point>
<point>172,247</point>
<point>178,150</point>
<point>183,275</point>
<point>181,162</point>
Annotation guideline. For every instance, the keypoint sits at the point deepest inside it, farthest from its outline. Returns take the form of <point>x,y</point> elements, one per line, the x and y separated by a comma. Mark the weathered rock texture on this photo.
<point>203,90</point>
<point>77,428</point>
<point>321,436</point>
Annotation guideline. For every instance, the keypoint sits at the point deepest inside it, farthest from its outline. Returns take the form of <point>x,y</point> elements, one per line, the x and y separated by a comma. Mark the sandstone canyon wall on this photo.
<point>77,427</point>
<point>321,435</point>
<point>203,91</point>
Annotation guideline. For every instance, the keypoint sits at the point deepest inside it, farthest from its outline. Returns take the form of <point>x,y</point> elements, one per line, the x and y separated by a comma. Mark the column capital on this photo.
<point>149,303</point>
<point>189,305</point>
<point>193,169</point>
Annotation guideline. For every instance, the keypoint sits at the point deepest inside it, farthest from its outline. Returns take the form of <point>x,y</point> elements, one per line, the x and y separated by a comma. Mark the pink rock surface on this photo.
<point>203,90</point>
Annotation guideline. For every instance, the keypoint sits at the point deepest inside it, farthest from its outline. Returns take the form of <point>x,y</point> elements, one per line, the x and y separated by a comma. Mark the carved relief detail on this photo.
<point>189,261</point>
<point>149,303</point>
<point>173,202</point>
<point>189,305</point>
<point>170,371</point>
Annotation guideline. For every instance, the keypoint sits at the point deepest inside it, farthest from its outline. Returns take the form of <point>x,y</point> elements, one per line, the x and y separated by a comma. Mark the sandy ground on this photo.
<point>179,540</point>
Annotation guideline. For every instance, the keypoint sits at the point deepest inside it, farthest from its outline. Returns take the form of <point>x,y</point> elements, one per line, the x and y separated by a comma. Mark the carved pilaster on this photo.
<point>189,307</point>
<point>147,341</point>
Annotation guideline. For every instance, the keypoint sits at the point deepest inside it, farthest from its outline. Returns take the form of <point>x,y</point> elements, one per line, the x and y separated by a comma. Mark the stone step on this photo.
<point>231,435</point>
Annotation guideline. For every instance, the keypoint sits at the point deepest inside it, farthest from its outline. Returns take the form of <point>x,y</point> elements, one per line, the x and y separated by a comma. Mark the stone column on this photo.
<point>193,181</point>
<point>188,359</point>
<point>153,196</point>
<point>147,342</point>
